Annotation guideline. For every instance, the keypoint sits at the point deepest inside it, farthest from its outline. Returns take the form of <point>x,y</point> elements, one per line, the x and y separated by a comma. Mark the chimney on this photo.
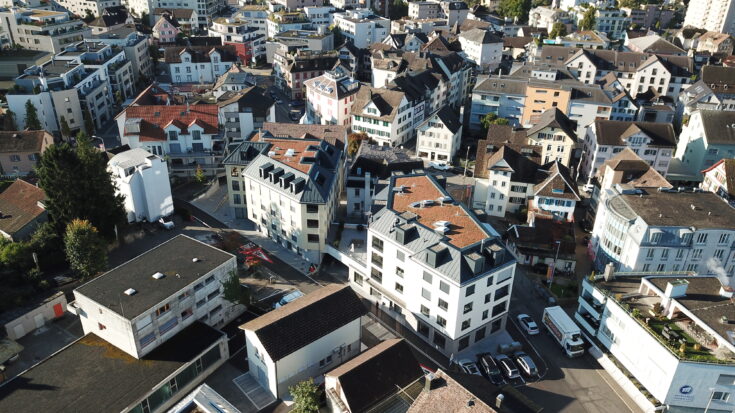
<point>609,273</point>
<point>476,261</point>
<point>676,289</point>
<point>726,291</point>
<point>499,400</point>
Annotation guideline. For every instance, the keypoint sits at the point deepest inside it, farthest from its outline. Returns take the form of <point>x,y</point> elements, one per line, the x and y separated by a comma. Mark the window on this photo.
<point>650,253</point>
<point>173,135</point>
<point>400,256</point>
<point>489,281</point>
<point>464,342</point>
<point>213,294</point>
<point>399,288</point>
<point>443,287</point>
<point>162,310</point>
<point>186,313</point>
<point>721,396</point>
<point>147,339</point>
<point>485,314</point>
<point>443,304</point>
<point>646,267</point>
<point>235,185</point>
<point>719,254</point>
<point>209,280</point>
<point>701,238</point>
<point>502,292</point>
<point>378,244</point>
<point>196,135</point>
<point>724,239</point>
<point>422,328</point>
<point>376,275</point>
<point>470,290</point>
<point>168,325</point>
<point>377,260</point>
<point>425,293</point>
<point>15,158</point>
<point>466,324</point>
<point>441,321</point>
<point>312,208</point>
<point>488,297</point>
<point>427,277</point>
<point>314,238</point>
<point>425,310</point>
<point>439,340</point>
<point>467,308</point>
<point>696,254</point>
<point>358,279</point>
<point>101,326</point>
<point>500,308</point>
<point>312,223</point>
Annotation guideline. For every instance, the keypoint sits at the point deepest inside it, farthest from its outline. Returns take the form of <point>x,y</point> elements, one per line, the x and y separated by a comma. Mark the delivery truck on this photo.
<point>564,330</point>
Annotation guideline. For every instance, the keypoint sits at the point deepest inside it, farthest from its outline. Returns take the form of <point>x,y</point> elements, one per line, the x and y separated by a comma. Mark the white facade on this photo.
<point>80,7</point>
<point>391,132</point>
<point>486,55</point>
<point>435,141</point>
<point>142,178</point>
<point>187,71</point>
<point>362,27</point>
<point>329,98</point>
<point>700,147</point>
<point>712,15</point>
<point>498,194</point>
<point>311,360</point>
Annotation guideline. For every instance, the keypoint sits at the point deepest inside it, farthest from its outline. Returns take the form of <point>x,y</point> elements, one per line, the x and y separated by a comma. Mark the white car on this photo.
<point>288,298</point>
<point>588,188</point>
<point>442,166</point>
<point>469,367</point>
<point>527,324</point>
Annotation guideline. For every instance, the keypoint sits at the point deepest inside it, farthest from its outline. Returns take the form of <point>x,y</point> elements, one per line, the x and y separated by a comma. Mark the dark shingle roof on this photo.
<point>91,375</point>
<point>200,54</point>
<point>449,117</point>
<point>23,141</point>
<point>309,318</point>
<point>173,258</point>
<point>612,132</point>
<point>387,367</point>
<point>554,118</point>
<point>718,126</point>
<point>481,36</point>
<point>19,206</point>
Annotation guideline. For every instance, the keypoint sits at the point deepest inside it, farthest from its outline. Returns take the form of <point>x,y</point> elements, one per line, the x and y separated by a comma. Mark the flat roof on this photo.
<point>91,375</point>
<point>173,258</point>
<point>674,209</point>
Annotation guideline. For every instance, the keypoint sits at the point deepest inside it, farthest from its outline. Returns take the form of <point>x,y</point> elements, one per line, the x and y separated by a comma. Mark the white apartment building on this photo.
<point>110,65</point>
<point>142,178</point>
<point>135,47</point>
<point>329,97</point>
<point>384,115</point>
<point>320,16</point>
<point>256,16</point>
<point>199,64</point>
<point>608,309</point>
<point>482,47</point>
<point>713,15</point>
<point>142,303</point>
<point>658,230</point>
<point>654,142</point>
<point>232,29</point>
<point>289,187</point>
<point>296,342</point>
<point>708,137</point>
<point>362,27</point>
<point>544,17</point>
<point>439,135</point>
<point>612,21</point>
<point>453,12</point>
<point>205,9</point>
<point>504,97</point>
<point>46,30</point>
<point>414,246</point>
<point>80,7</point>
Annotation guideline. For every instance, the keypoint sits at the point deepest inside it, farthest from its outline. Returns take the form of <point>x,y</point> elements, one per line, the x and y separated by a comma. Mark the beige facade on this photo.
<point>22,162</point>
<point>555,144</point>
<point>541,98</point>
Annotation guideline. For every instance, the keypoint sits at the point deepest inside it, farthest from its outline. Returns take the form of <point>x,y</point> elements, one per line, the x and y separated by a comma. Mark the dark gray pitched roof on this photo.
<point>381,160</point>
<point>303,321</point>
<point>556,119</point>
<point>719,126</point>
<point>612,132</point>
<point>449,117</point>
<point>481,36</point>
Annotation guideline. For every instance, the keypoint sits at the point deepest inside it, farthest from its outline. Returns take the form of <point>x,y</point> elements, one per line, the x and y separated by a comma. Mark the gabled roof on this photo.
<point>481,36</point>
<point>176,13</point>
<point>636,172</point>
<point>517,42</point>
<point>719,126</point>
<point>448,116</point>
<point>557,184</point>
<point>19,206</point>
<point>24,141</point>
<point>332,134</point>
<point>682,66</point>
<point>305,320</point>
<point>720,79</point>
<point>386,101</point>
<point>200,54</point>
<point>381,160</point>
<point>153,119</point>
<point>613,132</point>
<point>655,44</point>
<point>554,118</point>
<point>522,168</point>
<point>387,367</point>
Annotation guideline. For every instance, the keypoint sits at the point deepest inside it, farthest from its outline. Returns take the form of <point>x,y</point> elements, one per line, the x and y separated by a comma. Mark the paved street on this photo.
<point>570,385</point>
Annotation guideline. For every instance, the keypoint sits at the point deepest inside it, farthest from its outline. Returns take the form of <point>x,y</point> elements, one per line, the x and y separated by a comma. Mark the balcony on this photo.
<point>588,322</point>
<point>591,305</point>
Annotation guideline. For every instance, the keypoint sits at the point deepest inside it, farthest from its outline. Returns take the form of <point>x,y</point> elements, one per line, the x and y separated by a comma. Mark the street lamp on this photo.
<point>711,395</point>
<point>466,161</point>
<point>553,266</point>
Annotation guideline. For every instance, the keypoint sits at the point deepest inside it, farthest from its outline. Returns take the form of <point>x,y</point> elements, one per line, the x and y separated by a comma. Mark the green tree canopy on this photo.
<point>199,175</point>
<point>78,186</point>
<point>397,9</point>
<point>354,140</point>
<point>559,29</point>
<point>32,121</point>
<point>305,396</point>
<point>515,9</point>
<point>492,119</point>
<point>9,121</point>
<point>85,250</point>
<point>65,130</point>
<point>588,19</point>
<point>233,291</point>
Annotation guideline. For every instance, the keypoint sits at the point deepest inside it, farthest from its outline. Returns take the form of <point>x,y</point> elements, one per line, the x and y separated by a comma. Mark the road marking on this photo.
<point>615,391</point>
<point>528,340</point>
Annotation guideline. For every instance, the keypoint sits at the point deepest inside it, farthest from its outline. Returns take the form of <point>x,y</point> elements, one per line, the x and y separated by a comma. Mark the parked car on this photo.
<point>295,114</point>
<point>507,367</point>
<point>442,166</point>
<point>527,324</point>
<point>588,188</point>
<point>540,268</point>
<point>279,101</point>
<point>288,298</point>
<point>296,103</point>
<point>469,367</point>
<point>490,367</point>
<point>526,364</point>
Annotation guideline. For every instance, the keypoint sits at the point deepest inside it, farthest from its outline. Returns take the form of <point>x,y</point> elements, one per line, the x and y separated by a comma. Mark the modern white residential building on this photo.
<point>140,304</point>
<point>439,135</point>
<point>452,12</point>
<point>708,137</point>
<point>109,64</point>
<point>142,178</point>
<point>434,267</point>
<point>38,29</point>
<point>482,47</point>
<point>544,17</point>
<point>256,15</point>
<point>654,142</point>
<point>362,27</point>
<point>651,229</point>
<point>80,7</point>
<point>384,115</point>
<point>205,9</point>
<point>329,97</point>
<point>199,64</point>
<point>641,319</point>
<point>289,187</point>
<point>714,15</point>
<point>298,341</point>
<point>612,21</point>
<point>136,50</point>
<point>504,97</point>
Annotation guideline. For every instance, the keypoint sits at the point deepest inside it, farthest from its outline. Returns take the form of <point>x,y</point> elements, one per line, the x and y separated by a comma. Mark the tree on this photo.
<point>199,175</point>
<point>32,121</point>
<point>85,250</point>
<point>305,397</point>
<point>48,246</point>
<point>397,9</point>
<point>15,255</point>
<point>9,121</point>
<point>492,119</point>
<point>118,97</point>
<point>234,292</point>
<point>65,131</point>
<point>588,19</point>
<point>354,140</point>
<point>88,122</point>
<point>559,29</point>
<point>338,37</point>
<point>88,16</point>
<point>515,9</point>
<point>71,179</point>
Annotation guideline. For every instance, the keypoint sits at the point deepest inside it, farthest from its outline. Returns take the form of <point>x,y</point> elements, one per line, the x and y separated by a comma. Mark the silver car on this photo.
<point>526,364</point>
<point>469,367</point>
<point>507,367</point>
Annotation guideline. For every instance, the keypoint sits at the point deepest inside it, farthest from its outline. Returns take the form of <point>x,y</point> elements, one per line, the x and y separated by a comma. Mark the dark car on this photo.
<point>490,367</point>
<point>296,103</point>
<point>540,268</point>
<point>510,371</point>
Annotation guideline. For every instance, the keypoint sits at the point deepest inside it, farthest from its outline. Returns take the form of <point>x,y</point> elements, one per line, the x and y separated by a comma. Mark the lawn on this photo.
<point>698,355</point>
<point>563,291</point>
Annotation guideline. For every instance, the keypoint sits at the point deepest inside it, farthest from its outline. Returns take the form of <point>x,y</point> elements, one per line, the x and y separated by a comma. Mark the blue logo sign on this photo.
<point>686,389</point>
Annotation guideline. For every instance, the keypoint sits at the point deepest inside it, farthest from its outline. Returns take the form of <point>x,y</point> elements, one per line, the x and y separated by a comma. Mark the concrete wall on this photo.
<point>52,308</point>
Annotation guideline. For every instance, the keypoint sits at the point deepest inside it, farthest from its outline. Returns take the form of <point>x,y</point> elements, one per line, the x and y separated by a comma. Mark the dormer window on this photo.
<point>173,135</point>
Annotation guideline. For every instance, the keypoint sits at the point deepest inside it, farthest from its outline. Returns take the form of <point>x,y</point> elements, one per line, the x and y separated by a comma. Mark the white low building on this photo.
<point>438,137</point>
<point>142,178</point>
<point>304,339</point>
<point>199,64</point>
<point>362,27</point>
<point>147,300</point>
<point>482,47</point>
<point>640,318</point>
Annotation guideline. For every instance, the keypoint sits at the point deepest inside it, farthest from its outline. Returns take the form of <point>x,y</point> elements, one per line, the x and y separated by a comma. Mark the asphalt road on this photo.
<point>569,385</point>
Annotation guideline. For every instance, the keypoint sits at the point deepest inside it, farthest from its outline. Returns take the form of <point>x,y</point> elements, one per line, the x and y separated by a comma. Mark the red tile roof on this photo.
<point>281,146</point>
<point>155,118</point>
